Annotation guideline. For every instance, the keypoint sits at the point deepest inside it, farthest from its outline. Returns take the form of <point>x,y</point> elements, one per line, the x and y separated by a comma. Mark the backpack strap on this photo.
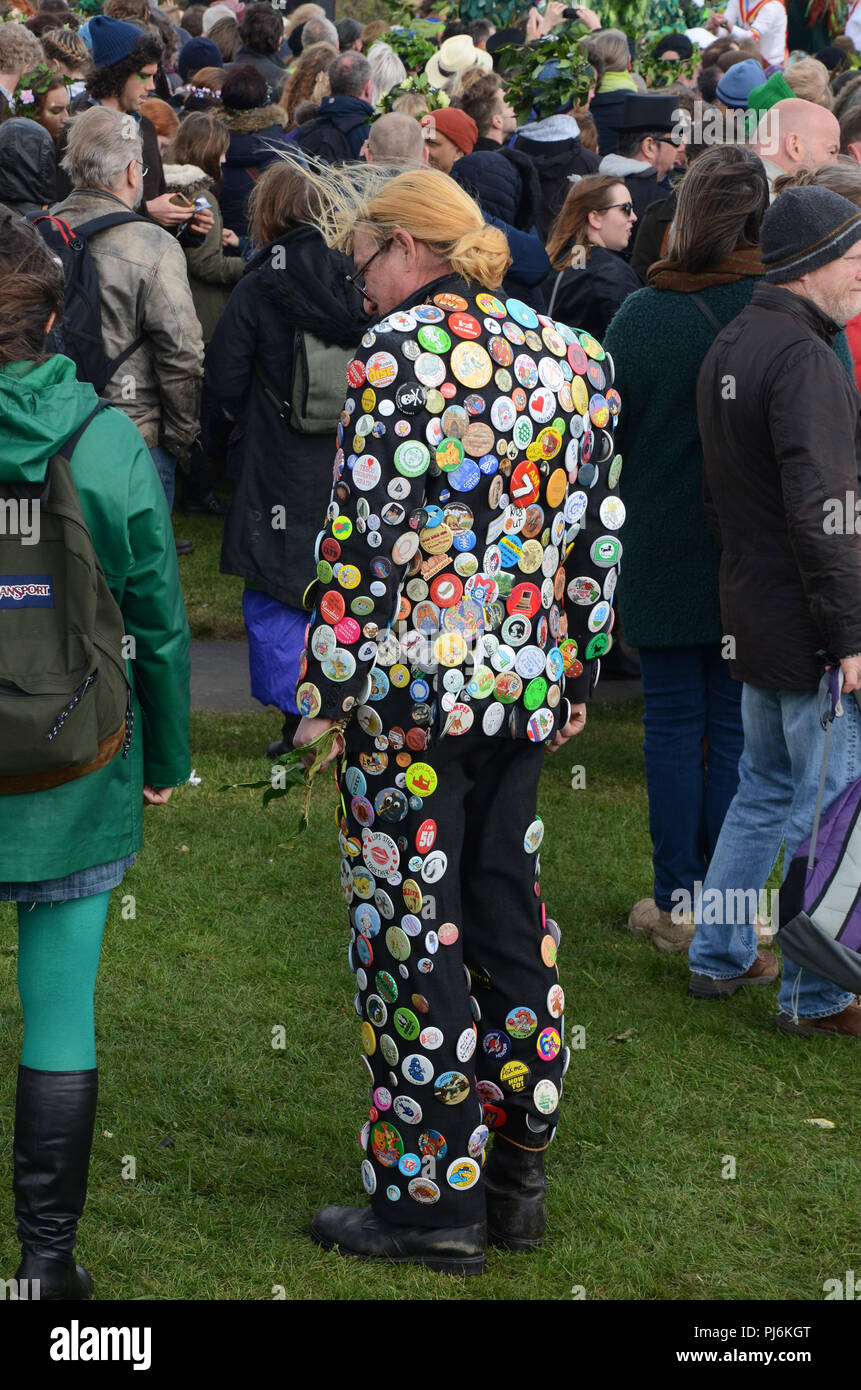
<point>283,407</point>
<point>555,292</point>
<point>109,219</point>
<point>68,448</point>
<point>707,312</point>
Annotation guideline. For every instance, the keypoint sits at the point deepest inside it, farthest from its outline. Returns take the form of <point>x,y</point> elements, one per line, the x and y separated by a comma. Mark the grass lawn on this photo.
<point>213,601</point>
<point>237,1144</point>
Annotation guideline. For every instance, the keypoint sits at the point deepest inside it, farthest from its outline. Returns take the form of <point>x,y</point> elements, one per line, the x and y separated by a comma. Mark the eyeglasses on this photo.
<point>627,208</point>
<point>668,140</point>
<point>355,278</point>
<point>144,169</point>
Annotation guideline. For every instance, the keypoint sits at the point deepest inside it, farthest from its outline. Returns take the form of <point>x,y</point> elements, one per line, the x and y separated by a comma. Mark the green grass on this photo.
<point>238,1144</point>
<point>213,601</point>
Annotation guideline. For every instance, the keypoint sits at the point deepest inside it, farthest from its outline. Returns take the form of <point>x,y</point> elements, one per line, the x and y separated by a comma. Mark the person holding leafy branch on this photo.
<point>440,665</point>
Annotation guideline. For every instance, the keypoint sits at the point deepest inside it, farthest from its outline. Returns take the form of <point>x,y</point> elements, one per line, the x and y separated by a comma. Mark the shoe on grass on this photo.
<point>652,921</point>
<point>764,971</point>
<point>358,1232</point>
<point>846,1024</point>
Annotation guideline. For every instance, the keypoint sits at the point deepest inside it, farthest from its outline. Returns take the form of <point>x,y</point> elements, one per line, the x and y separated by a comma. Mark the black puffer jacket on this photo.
<point>28,165</point>
<point>779,423</point>
<point>273,464</point>
<point>505,183</point>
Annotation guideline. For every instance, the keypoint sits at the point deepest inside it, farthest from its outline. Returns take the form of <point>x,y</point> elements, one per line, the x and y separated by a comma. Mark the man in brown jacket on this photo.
<point>144,291</point>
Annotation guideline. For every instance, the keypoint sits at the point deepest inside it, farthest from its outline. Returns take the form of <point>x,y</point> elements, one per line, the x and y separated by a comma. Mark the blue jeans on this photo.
<point>692,719</point>
<point>166,468</point>
<point>778,780</point>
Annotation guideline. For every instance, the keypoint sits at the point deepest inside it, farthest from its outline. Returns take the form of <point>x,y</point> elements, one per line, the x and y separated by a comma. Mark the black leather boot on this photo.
<point>55,1113</point>
<point>515,1187</point>
<point>357,1231</point>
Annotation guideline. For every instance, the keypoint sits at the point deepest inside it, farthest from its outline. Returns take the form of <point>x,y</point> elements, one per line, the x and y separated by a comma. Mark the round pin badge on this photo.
<point>417,1069</point>
<point>521,313</point>
<point>514,1076</point>
<point>556,1001</point>
<point>309,699</point>
<point>493,719</point>
<point>429,369</point>
<point>423,1191</point>
<point>407,1109</point>
<point>477,1141</point>
<point>548,1044</point>
<point>471,365</point>
<point>521,1022</point>
<point>381,369</point>
<point>451,1087</point>
<point>545,1097</point>
<point>462,1174</point>
<point>369,1177</point>
<point>412,458</point>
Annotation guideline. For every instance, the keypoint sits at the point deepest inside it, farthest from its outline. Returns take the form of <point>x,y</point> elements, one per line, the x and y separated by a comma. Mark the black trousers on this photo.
<point>458,994</point>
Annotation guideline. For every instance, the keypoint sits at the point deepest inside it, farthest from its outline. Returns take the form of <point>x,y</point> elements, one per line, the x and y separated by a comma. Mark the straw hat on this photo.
<point>455,56</point>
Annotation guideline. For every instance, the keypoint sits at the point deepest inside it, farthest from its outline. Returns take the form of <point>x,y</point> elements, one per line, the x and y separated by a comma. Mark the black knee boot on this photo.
<point>515,1188</point>
<point>55,1113</point>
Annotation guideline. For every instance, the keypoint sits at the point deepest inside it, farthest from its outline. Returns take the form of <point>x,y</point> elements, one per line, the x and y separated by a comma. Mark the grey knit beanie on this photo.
<point>804,229</point>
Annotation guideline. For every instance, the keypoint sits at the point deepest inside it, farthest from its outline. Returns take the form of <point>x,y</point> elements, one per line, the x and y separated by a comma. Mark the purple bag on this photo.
<point>820,898</point>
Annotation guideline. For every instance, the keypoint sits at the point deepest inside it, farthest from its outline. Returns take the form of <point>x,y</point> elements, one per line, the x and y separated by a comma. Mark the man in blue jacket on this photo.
<point>340,128</point>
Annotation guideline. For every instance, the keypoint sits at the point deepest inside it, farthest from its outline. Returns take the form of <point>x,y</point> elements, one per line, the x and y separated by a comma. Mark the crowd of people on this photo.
<point>441,344</point>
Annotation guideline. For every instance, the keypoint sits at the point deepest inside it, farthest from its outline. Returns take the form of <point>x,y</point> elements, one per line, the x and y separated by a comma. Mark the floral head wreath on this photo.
<point>34,84</point>
<point>203,92</point>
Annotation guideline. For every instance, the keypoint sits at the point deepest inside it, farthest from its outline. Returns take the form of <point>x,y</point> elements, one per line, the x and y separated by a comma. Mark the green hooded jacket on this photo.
<point>98,818</point>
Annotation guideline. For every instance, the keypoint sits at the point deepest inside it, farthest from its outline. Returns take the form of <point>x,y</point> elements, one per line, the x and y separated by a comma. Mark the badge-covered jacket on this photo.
<point>476,449</point>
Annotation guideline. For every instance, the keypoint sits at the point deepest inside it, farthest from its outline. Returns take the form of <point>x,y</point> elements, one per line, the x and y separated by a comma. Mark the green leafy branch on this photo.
<point>411,47</point>
<point>294,773</point>
<point>527,82</point>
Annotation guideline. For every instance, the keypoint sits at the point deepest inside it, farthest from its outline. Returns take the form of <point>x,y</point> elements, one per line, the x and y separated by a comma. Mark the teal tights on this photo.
<point>58,960</point>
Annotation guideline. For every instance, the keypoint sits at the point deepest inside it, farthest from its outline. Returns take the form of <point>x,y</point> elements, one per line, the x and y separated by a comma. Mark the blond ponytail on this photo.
<point>482,256</point>
<point>424,202</point>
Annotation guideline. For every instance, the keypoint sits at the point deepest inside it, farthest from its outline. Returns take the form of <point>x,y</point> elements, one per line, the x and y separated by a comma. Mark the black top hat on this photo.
<point>649,113</point>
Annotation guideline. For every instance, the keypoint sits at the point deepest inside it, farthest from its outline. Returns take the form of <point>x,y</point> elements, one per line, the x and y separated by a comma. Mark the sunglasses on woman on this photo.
<point>627,208</point>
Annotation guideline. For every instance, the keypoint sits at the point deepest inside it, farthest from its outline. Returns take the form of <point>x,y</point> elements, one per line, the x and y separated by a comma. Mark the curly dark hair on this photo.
<point>31,290</point>
<point>110,81</point>
<point>262,28</point>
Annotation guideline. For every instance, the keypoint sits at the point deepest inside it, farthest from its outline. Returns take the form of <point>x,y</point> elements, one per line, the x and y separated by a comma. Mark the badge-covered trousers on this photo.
<point>457,984</point>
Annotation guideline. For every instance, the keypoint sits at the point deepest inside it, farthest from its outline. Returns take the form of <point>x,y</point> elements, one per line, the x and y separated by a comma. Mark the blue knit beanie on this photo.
<point>112,40</point>
<point>197,54</point>
<point>806,228</point>
<point>737,84</point>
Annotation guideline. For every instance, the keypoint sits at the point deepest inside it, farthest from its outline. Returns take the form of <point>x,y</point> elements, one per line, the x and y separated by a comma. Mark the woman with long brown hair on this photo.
<point>195,159</point>
<point>590,279</point>
<point>668,589</point>
<point>293,285</point>
<point>308,80</point>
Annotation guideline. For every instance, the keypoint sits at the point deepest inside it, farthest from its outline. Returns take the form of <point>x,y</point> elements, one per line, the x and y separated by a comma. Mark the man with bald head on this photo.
<point>794,135</point>
<point>396,139</point>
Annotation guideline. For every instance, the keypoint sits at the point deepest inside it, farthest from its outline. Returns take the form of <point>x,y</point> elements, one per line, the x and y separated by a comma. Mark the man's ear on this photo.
<point>404,244</point>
